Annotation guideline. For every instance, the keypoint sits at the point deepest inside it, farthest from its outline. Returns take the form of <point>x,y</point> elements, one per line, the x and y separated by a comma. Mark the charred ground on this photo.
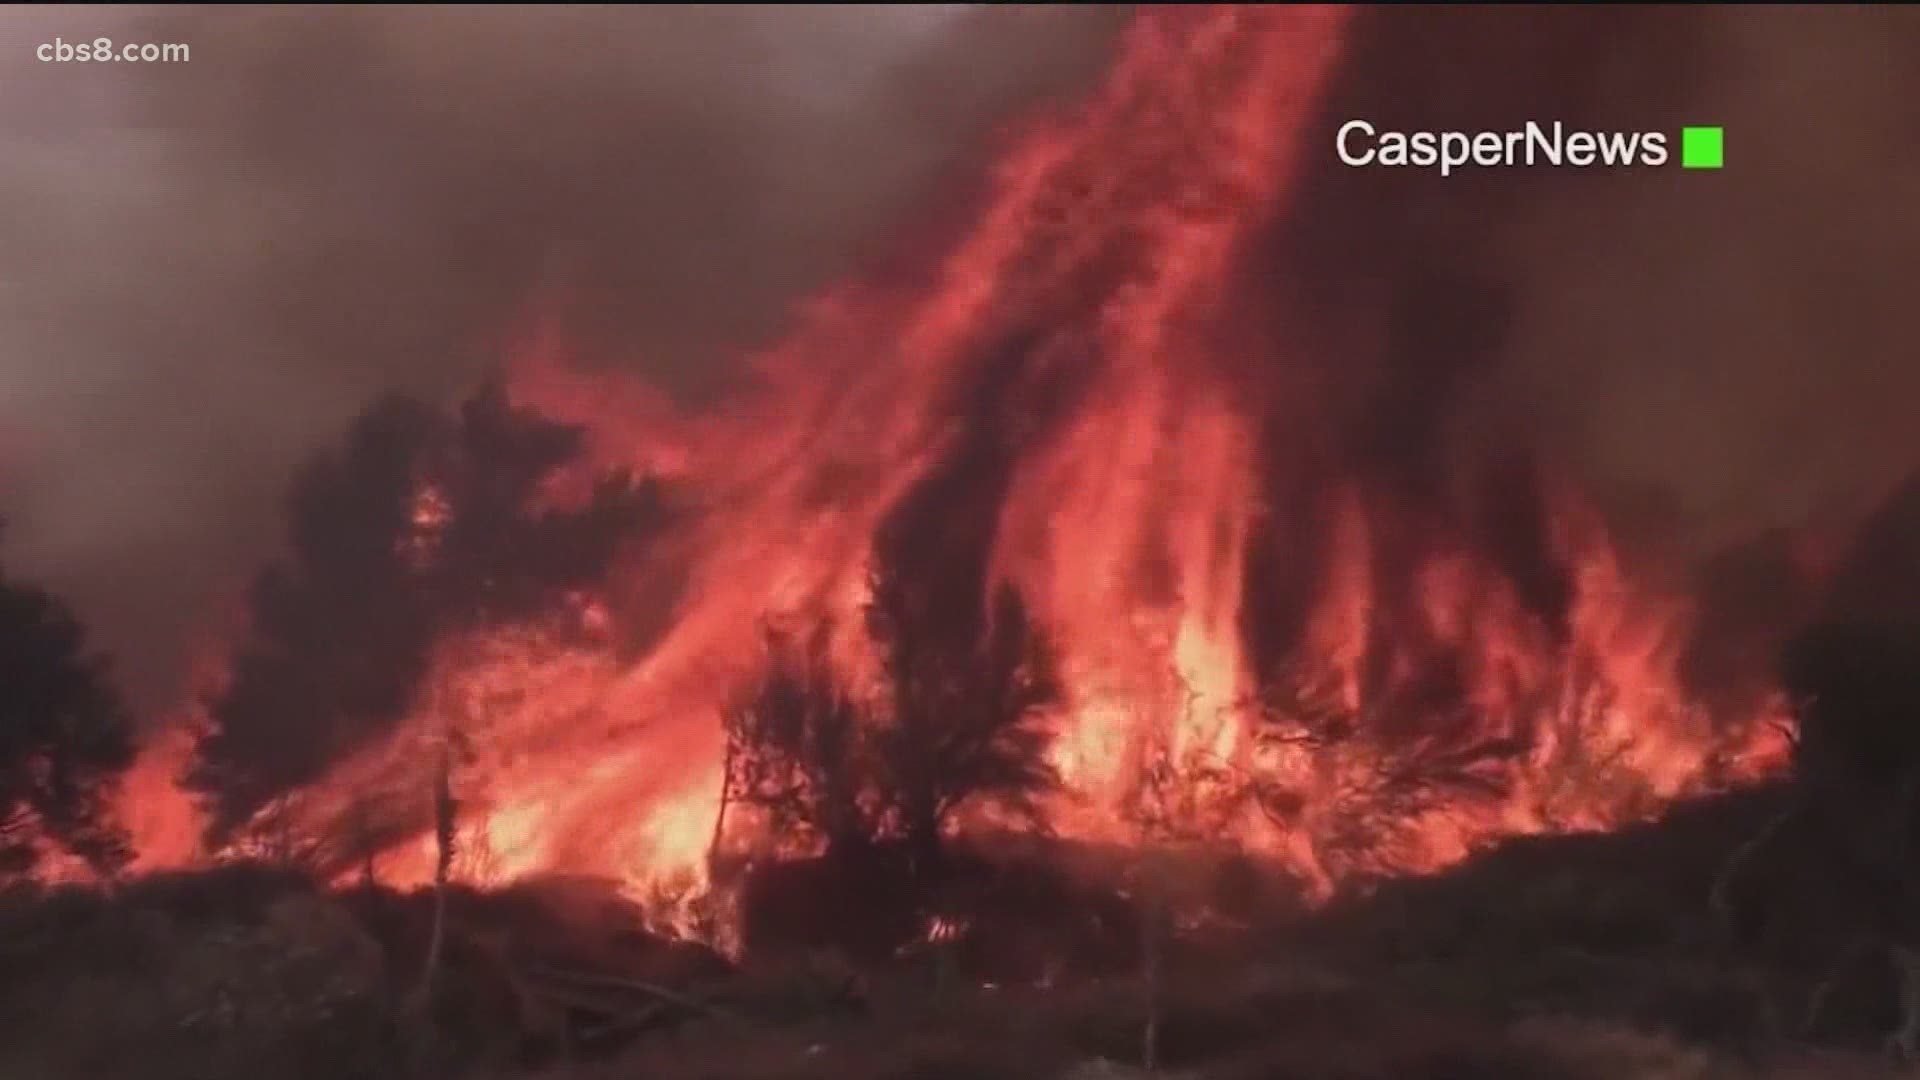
<point>1576,956</point>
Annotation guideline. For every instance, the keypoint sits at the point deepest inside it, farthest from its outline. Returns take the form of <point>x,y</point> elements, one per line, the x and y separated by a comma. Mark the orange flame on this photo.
<point>1108,252</point>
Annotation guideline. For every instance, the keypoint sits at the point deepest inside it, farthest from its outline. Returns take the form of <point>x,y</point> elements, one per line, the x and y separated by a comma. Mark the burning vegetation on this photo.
<point>1077,533</point>
<point>64,738</point>
<point>1084,536</point>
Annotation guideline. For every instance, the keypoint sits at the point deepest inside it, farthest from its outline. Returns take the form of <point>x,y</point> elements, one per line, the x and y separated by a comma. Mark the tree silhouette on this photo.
<point>960,724</point>
<point>1853,674</point>
<point>423,524</point>
<point>965,717</point>
<point>801,749</point>
<point>64,736</point>
<point>1859,688</point>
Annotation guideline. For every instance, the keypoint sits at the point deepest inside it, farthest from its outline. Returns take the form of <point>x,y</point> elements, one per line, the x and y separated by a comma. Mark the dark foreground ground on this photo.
<point>1573,957</point>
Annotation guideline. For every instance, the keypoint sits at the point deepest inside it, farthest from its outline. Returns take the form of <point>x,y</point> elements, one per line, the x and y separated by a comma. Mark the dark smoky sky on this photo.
<point>207,268</point>
<point>1719,352</point>
<point>1746,341</point>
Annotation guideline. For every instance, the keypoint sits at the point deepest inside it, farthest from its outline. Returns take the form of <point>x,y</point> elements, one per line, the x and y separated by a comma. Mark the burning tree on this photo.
<point>1325,776</point>
<point>799,748</point>
<point>64,735</point>
<point>373,823</point>
<point>965,715</point>
<point>422,526</point>
<point>959,725</point>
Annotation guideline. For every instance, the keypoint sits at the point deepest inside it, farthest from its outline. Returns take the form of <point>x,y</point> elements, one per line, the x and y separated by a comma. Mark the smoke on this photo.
<point>1879,580</point>
<point>1716,353</point>
<point>1744,339</point>
<point>207,268</point>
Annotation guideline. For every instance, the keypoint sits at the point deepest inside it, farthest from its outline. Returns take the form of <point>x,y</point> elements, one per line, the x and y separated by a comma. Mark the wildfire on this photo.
<point>1129,465</point>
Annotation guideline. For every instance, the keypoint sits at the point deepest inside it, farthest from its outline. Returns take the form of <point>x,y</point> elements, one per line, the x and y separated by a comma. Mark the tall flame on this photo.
<point>1090,319</point>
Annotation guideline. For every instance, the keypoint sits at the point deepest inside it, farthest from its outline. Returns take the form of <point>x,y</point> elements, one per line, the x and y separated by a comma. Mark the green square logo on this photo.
<point>1701,147</point>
